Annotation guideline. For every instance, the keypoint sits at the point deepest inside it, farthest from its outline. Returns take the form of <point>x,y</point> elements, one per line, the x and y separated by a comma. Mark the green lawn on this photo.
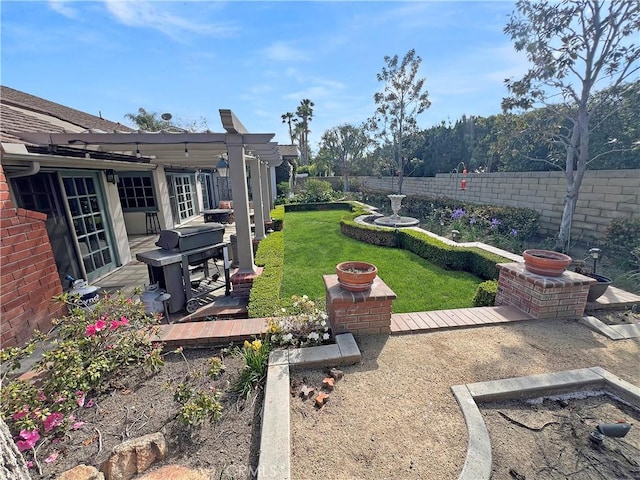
<point>313,245</point>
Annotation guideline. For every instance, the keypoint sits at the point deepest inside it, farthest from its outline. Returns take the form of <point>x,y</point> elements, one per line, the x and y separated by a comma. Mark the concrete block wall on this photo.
<point>605,195</point>
<point>28,273</point>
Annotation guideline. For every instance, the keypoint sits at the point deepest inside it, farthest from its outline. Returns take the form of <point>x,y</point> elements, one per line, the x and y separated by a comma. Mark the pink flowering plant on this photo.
<point>303,324</point>
<point>79,356</point>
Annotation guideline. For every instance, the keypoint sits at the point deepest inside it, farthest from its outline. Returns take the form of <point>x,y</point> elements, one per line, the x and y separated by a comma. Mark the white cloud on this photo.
<point>158,15</point>
<point>63,7</point>
<point>283,52</point>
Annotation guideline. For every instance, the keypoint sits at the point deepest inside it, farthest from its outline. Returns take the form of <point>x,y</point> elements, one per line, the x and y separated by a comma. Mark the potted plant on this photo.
<point>356,276</point>
<point>546,262</point>
<point>596,290</point>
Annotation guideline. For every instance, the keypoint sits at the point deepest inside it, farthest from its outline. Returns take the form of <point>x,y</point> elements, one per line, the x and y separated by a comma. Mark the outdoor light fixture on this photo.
<point>186,151</point>
<point>455,235</point>
<point>612,430</point>
<point>222,167</point>
<point>595,254</point>
<point>112,176</point>
<point>137,151</point>
<point>86,154</point>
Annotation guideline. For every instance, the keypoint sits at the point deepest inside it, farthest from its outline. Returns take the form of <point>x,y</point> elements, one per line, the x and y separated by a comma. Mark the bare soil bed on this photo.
<point>137,404</point>
<point>618,316</point>
<point>394,416</point>
<point>553,439</point>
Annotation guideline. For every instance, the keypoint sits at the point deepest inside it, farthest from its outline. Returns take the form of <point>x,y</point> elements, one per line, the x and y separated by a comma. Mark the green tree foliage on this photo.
<point>152,122</point>
<point>402,99</point>
<point>346,146</point>
<point>572,46</point>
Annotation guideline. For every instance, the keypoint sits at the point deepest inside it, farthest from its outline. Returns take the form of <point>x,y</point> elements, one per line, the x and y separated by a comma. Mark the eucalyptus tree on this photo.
<point>305,114</point>
<point>347,145</point>
<point>402,99</point>
<point>572,47</point>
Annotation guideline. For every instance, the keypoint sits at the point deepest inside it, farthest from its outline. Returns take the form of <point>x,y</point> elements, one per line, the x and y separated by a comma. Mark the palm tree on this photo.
<point>305,113</point>
<point>289,118</point>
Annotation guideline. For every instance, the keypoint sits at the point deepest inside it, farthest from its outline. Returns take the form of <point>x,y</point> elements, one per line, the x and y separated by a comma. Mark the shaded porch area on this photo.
<point>135,274</point>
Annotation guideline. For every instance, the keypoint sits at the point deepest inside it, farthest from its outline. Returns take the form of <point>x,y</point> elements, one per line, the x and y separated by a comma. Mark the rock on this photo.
<point>82,472</point>
<point>175,472</point>
<point>134,456</point>
<point>335,373</point>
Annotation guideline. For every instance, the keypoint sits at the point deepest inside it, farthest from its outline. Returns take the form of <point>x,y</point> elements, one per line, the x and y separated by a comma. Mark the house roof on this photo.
<point>288,150</point>
<point>22,112</point>
<point>39,124</point>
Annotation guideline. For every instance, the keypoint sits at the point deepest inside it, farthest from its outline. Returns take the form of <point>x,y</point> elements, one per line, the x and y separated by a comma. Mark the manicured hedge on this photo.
<point>303,207</point>
<point>486,294</point>
<point>264,299</point>
<point>277,216</point>
<point>469,259</point>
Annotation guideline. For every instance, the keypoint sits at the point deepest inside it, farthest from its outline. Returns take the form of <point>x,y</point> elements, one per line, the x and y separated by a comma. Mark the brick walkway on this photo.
<point>226,331</point>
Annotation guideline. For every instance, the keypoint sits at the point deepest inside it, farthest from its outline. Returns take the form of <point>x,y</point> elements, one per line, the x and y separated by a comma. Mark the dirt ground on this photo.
<point>394,416</point>
<point>136,405</point>
<point>554,439</point>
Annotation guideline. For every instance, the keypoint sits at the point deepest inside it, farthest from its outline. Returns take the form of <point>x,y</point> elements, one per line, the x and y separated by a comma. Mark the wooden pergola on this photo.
<point>196,150</point>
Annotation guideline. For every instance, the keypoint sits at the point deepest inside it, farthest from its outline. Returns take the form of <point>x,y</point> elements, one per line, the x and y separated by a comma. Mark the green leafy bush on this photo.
<point>486,294</point>
<point>86,349</point>
<point>283,189</point>
<point>256,358</point>
<point>316,191</point>
<point>623,235</point>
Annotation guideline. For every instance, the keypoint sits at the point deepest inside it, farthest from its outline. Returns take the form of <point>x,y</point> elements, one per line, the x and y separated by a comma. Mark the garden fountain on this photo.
<point>396,220</point>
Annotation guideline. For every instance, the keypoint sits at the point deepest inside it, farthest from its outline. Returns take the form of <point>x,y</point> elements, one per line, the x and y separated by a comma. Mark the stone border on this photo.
<point>477,465</point>
<point>612,332</point>
<point>275,437</point>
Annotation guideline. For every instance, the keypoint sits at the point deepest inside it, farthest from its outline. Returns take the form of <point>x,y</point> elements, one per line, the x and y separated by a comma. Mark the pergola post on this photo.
<point>237,169</point>
<point>256,195</point>
<point>266,197</point>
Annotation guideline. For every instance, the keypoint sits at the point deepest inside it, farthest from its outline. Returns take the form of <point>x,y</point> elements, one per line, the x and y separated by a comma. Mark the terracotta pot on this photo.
<point>356,276</point>
<point>546,262</point>
<point>596,290</point>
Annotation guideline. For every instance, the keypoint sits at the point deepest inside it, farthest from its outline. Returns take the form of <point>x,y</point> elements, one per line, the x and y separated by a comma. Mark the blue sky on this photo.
<point>257,58</point>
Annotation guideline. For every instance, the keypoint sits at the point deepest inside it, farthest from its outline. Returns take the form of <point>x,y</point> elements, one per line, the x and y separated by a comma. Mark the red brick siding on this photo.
<point>542,297</point>
<point>28,273</point>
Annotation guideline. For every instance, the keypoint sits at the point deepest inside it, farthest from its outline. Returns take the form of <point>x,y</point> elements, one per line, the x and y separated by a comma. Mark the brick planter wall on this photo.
<point>29,276</point>
<point>241,283</point>
<point>540,296</point>
<point>359,312</point>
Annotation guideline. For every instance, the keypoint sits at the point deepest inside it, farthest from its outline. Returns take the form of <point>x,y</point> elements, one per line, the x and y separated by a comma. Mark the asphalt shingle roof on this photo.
<point>16,119</point>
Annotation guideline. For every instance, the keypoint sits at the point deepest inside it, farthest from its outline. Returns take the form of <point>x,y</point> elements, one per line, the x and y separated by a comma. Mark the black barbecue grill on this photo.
<point>183,251</point>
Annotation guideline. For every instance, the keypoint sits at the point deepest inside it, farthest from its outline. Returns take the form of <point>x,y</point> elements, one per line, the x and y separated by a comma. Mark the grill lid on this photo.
<point>190,238</point>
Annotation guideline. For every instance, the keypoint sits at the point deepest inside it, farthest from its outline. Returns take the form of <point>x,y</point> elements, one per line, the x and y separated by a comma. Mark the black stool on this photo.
<point>152,222</point>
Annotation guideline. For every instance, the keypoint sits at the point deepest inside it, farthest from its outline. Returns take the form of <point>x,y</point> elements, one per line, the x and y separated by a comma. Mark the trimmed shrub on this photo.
<point>264,298</point>
<point>305,207</point>
<point>277,216</point>
<point>486,294</point>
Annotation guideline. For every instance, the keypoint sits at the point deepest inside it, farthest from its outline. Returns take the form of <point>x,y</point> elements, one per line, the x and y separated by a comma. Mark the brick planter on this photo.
<point>366,312</point>
<point>541,296</point>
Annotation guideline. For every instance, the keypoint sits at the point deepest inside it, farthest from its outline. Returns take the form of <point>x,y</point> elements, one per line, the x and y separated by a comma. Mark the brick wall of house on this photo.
<point>28,274</point>
<point>605,195</point>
